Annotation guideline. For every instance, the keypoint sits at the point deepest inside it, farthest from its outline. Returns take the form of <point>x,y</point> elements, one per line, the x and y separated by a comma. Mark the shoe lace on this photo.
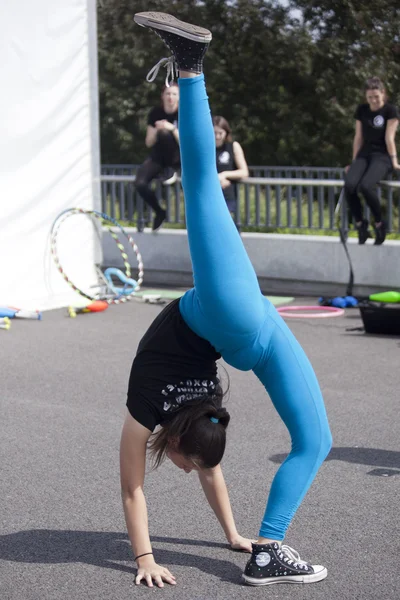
<point>169,64</point>
<point>290,556</point>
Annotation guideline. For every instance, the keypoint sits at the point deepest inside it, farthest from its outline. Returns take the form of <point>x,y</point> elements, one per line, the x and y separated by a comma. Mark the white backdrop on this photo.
<point>49,147</point>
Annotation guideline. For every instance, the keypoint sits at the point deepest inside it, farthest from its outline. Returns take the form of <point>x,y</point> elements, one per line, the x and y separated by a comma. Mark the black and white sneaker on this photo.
<point>188,43</point>
<point>275,563</point>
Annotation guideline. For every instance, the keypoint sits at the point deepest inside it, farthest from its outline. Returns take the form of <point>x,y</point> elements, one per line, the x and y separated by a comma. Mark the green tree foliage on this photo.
<point>126,54</point>
<point>352,41</point>
<point>286,76</point>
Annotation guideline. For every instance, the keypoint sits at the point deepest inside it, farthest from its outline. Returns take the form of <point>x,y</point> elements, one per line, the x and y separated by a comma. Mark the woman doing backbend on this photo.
<point>173,381</point>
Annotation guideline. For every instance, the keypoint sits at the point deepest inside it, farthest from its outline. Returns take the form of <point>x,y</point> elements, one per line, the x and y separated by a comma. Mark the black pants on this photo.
<point>144,176</point>
<point>363,176</point>
<point>164,153</point>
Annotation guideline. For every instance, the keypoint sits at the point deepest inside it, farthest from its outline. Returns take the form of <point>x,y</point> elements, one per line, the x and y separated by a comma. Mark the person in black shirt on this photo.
<point>231,162</point>
<point>162,137</point>
<point>374,156</point>
<point>174,381</point>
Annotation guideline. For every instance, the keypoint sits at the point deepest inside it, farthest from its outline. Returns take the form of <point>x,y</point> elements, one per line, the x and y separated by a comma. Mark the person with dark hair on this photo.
<point>231,162</point>
<point>162,137</point>
<point>173,381</point>
<point>374,157</point>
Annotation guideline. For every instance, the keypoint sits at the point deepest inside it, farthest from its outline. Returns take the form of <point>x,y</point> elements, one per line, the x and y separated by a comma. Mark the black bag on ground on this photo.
<point>380,318</point>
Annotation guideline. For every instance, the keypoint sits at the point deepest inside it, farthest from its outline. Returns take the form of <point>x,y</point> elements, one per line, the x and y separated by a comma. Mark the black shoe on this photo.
<point>188,43</point>
<point>159,219</point>
<point>380,234</point>
<point>363,232</point>
<point>274,563</point>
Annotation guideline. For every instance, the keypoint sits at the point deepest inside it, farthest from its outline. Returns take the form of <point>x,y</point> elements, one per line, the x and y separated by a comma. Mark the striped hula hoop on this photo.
<point>94,214</point>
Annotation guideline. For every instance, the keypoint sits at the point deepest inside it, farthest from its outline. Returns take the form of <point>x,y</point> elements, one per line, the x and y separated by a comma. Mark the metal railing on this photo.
<point>272,198</point>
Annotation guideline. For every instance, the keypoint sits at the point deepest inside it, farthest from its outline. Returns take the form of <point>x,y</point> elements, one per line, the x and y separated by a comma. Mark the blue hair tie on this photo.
<point>214,420</point>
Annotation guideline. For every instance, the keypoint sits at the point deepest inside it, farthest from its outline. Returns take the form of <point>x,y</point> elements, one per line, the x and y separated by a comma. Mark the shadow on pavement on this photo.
<point>107,550</point>
<point>384,460</point>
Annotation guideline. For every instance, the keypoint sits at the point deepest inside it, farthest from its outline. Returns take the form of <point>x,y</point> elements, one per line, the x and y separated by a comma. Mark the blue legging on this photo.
<point>227,308</point>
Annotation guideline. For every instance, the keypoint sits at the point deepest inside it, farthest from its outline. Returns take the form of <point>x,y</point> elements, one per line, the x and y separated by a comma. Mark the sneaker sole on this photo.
<point>171,180</point>
<point>165,22</point>
<point>313,578</point>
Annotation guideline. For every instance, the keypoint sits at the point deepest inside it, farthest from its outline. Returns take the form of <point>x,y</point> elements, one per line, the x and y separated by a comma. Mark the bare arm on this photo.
<point>391,128</point>
<point>214,487</point>
<point>132,469</point>
<point>242,169</point>
<point>358,139</point>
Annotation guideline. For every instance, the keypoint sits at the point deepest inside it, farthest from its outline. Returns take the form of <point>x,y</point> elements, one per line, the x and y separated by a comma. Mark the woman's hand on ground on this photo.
<point>241,543</point>
<point>150,570</point>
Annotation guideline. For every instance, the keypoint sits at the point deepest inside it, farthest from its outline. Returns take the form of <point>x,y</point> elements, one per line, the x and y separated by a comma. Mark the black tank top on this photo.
<point>226,162</point>
<point>225,158</point>
<point>172,366</point>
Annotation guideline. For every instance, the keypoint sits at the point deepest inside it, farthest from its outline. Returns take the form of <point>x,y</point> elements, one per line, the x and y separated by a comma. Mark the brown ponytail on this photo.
<point>199,438</point>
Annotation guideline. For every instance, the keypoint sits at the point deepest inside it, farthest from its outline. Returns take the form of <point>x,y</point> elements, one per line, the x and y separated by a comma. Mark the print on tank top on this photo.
<point>178,393</point>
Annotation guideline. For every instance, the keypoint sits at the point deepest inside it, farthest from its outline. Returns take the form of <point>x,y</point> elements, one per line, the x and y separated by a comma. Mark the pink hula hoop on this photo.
<point>325,311</point>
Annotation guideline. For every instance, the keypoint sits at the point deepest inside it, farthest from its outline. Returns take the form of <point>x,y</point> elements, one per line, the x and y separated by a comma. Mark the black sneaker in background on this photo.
<point>363,232</point>
<point>275,563</point>
<point>188,43</point>
<point>159,219</point>
<point>380,234</point>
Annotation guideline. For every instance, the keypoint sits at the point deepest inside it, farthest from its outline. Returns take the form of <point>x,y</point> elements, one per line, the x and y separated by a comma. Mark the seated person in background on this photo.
<point>162,137</point>
<point>231,162</point>
<point>374,157</point>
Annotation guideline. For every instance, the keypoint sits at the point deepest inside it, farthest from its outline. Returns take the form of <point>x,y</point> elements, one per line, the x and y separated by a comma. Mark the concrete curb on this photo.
<point>285,264</point>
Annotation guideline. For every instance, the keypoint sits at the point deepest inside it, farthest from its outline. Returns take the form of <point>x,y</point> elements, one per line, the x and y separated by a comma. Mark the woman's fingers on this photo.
<point>169,578</point>
<point>159,575</point>
<point>169,574</point>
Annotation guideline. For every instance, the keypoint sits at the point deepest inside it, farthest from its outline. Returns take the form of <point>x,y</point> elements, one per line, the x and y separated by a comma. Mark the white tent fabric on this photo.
<point>49,148</point>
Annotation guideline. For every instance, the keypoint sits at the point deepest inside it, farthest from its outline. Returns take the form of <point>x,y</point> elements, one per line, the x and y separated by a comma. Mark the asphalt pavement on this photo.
<point>62,400</point>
